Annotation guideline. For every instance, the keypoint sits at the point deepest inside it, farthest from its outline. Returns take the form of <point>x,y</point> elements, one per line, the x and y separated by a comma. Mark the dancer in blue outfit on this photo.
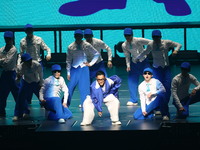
<point>51,94</point>
<point>152,96</point>
<point>30,76</point>
<point>181,95</point>
<point>103,90</point>
<point>132,47</point>
<point>8,58</point>
<point>78,66</point>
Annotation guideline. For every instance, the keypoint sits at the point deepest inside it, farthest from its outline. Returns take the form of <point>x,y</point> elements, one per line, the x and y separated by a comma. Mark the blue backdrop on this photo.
<point>71,12</point>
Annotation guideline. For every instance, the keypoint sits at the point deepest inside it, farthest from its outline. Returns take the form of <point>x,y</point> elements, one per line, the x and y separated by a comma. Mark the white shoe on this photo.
<point>15,118</point>
<point>84,124</point>
<point>79,106</point>
<point>157,112</point>
<point>165,118</point>
<point>116,123</point>
<point>26,116</point>
<point>131,104</point>
<point>61,120</point>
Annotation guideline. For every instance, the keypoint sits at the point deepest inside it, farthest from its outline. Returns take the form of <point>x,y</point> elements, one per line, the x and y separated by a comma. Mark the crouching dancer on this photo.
<point>51,93</point>
<point>103,90</point>
<point>152,96</point>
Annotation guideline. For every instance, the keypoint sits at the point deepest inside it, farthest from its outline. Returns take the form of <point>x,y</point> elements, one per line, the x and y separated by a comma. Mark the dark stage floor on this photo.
<point>37,131</point>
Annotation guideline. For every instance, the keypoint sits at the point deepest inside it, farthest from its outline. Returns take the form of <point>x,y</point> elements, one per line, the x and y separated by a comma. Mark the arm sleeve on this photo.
<point>68,61</point>
<point>127,55</point>
<point>176,100</point>
<point>65,90</point>
<point>45,47</point>
<point>95,53</point>
<point>109,51</point>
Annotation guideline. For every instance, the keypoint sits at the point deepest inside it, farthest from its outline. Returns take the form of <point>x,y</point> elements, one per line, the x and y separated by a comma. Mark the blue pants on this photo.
<point>7,85</point>
<point>186,102</point>
<point>164,76</point>
<point>79,76</point>
<point>24,91</point>
<point>133,78</point>
<point>95,68</point>
<point>57,110</point>
<point>159,102</point>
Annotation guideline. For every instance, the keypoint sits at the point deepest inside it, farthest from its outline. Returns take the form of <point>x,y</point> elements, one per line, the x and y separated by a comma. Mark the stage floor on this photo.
<point>41,129</point>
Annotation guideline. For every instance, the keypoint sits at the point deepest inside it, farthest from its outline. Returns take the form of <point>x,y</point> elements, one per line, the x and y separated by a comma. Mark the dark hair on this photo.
<point>100,73</point>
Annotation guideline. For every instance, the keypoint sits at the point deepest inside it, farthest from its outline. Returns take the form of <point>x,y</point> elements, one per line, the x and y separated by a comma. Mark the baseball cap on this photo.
<point>156,33</point>
<point>88,31</point>
<point>148,70</point>
<point>55,67</point>
<point>28,26</point>
<point>128,31</point>
<point>26,57</point>
<point>8,34</point>
<point>185,65</point>
<point>78,31</point>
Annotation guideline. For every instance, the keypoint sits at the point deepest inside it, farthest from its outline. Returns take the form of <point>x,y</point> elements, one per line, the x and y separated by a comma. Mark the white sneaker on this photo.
<point>165,118</point>
<point>79,106</point>
<point>131,104</point>
<point>84,124</point>
<point>61,120</point>
<point>15,118</point>
<point>26,116</point>
<point>157,112</point>
<point>116,123</point>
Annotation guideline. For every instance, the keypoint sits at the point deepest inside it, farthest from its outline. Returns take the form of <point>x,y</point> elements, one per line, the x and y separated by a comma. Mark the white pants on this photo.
<point>110,101</point>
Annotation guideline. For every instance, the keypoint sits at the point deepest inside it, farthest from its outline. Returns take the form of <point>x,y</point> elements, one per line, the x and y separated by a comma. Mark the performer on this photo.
<point>78,66</point>
<point>51,94</point>
<point>152,96</point>
<point>30,76</point>
<point>182,98</point>
<point>8,59</point>
<point>132,47</point>
<point>103,90</point>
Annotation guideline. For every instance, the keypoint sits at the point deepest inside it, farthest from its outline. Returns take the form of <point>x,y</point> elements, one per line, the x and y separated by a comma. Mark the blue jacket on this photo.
<point>112,85</point>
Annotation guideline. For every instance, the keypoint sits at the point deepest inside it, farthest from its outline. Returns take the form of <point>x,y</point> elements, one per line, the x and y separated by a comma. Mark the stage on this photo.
<point>37,132</point>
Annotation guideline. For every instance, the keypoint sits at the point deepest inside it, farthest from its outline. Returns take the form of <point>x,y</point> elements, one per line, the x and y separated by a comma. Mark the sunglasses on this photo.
<point>101,79</point>
<point>57,71</point>
<point>149,73</point>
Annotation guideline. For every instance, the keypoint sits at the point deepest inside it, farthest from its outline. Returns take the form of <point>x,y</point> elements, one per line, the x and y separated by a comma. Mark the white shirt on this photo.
<point>78,54</point>
<point>32,74</point>
<point>33,47</point>
<point>8,59</point>
<point>160,52</point>
<point>180,87</point>
<point>99,45</point>
<point>155,87</point>
<point>134,49</point>
<point>53,87</point>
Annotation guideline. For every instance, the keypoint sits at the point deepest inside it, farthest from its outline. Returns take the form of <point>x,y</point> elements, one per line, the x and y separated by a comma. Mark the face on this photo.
<point>88,37</point>
<point>156,39</point>
<point>28,63</point>
<point>184,72</point>
<point>101,80</point>
<point>78,38</point>
<point>147,76</point>
<point>8,41</point>
<point>56,73</point>
<point>128,37</point>
<point>29,32</point>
